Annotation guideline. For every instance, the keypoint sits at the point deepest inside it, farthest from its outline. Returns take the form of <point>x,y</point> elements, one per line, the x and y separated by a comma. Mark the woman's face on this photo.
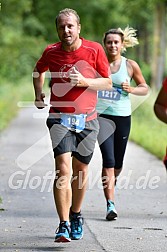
<point>113,44</point>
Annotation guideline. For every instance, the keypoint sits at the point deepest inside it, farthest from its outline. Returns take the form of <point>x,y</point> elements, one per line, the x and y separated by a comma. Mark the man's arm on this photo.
<point>38,82</point>
<point>96,84</point>
<point>78,80</point>
<point>160,106</point>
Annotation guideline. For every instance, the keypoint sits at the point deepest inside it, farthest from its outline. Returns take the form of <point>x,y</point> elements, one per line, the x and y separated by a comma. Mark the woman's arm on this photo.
<point>136,74</point>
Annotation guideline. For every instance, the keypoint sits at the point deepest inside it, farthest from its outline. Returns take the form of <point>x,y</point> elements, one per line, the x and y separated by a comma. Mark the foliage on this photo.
<point>19,46</point>
<point>28,26</point>
<point>146,71</point>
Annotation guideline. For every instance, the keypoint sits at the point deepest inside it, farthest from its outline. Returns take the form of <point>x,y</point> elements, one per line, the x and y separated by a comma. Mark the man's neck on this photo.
<point>73,47</point>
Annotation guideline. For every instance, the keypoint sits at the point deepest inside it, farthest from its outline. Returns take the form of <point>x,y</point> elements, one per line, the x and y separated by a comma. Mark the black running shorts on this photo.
<point>81,145</point>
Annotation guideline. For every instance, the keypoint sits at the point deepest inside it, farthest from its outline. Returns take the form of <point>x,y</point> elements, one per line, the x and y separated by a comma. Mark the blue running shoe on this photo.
<point>63,232</point>
<point>111,211</point>
<point>76,226</point>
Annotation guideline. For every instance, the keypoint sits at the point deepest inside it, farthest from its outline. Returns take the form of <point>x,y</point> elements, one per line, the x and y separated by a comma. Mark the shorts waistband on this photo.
<point>57,114</point>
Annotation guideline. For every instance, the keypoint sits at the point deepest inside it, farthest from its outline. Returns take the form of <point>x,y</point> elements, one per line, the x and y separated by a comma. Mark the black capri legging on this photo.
<point>113,137</point>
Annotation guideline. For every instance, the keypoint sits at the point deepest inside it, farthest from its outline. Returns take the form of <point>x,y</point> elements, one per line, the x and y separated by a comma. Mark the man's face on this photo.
<point>68,29</point>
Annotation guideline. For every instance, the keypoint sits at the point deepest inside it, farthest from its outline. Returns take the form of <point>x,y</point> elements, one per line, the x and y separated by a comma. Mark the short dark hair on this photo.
<point>67,12</point>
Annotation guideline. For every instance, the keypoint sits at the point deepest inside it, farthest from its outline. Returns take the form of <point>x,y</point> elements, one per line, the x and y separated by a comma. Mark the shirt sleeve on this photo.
<point>102,64</point>
<point>164,84</point>
<point>42,63</point>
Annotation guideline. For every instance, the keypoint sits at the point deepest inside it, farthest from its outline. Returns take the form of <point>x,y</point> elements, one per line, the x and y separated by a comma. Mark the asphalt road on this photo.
<point>28,220</point>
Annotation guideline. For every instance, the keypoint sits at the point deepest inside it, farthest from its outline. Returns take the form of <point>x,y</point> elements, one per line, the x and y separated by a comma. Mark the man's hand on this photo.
<point>39,102</point>
<point>77,79</point>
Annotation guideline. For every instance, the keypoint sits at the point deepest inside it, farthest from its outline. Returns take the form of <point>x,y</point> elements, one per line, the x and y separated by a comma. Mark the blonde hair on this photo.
<point>128,36</point>
<point>67,12</point>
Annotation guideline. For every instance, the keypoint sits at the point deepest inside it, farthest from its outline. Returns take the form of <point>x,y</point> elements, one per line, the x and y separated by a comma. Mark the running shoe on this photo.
<point>111,211</point>
<point>63,232</point>
<point>76,226</point>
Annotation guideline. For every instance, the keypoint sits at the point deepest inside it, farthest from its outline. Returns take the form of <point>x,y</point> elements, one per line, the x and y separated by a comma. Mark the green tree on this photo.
<point>26,27</point>
<point>19,46</point>
<point>159,43</point>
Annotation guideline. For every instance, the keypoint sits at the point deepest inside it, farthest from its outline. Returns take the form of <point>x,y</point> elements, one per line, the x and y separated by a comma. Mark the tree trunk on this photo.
<point>159,45</point>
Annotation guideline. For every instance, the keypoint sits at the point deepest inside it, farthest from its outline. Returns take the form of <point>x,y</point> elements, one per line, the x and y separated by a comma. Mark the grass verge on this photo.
<point>10,95</point>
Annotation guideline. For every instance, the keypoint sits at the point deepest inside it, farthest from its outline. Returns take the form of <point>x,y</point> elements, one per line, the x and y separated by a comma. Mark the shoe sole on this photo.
<point>111,216</point>
<point>62,239</point>
<point>73,238</point>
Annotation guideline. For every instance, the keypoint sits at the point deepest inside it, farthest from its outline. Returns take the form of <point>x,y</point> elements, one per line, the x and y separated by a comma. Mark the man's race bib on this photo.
<point>114,94</point>
<point>73,122</point>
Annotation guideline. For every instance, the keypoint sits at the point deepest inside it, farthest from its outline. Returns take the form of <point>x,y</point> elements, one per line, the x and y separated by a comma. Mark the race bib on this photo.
<point>73,122</point>
<point>114,94</point>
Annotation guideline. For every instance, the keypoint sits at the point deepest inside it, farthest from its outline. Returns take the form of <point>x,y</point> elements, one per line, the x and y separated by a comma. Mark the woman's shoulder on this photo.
<point>132,62</point>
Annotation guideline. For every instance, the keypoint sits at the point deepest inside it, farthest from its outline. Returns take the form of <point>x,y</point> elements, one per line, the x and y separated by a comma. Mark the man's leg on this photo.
<point>62,186</point>
<point>79,183</point>
<point>85,140</point>
<point>81,158</point>
<point>62,196</point>
<point>63,144</point>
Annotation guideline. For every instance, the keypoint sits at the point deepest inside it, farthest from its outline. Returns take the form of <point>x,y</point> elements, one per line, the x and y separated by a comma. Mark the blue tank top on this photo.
<point>116,102</point>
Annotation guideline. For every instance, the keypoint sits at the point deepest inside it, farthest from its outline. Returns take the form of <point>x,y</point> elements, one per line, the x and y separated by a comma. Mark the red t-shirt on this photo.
<point>89,59</point>
<point>165,84</point>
